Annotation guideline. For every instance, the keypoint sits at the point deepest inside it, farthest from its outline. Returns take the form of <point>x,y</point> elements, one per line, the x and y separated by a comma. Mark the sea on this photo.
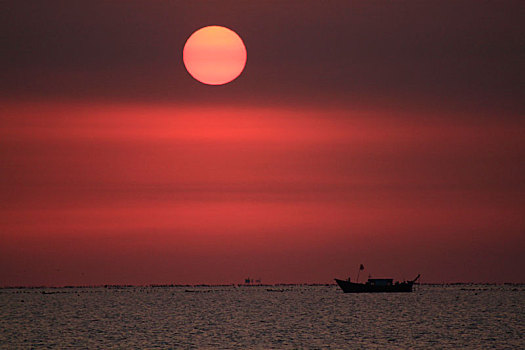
<point>460,316</point>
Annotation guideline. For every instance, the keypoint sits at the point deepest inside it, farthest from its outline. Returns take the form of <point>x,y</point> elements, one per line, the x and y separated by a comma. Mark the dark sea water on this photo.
<point>276,317</point>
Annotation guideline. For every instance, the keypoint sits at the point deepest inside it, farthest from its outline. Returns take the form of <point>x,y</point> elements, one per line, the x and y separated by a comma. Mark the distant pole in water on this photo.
<point>361,267</point>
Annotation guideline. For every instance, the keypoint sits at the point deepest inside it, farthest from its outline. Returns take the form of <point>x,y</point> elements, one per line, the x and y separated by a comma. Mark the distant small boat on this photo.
<point>377,285</point>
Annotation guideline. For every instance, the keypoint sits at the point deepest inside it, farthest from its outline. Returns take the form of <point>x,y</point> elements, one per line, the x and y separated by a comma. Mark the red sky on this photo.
<point>388,134</point>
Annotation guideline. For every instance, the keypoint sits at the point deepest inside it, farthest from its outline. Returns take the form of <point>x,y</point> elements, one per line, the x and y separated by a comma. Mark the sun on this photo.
<point>214,55</point>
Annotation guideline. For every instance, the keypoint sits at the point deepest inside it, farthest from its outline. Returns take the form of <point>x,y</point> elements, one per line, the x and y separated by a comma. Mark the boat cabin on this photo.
<point>380,281</point>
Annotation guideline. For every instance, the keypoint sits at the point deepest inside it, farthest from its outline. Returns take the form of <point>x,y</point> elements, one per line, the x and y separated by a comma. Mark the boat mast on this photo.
<point>361,267</point>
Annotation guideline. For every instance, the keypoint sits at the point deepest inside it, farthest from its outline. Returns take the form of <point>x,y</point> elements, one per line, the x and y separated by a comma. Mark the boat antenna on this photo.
<point>361,267</point>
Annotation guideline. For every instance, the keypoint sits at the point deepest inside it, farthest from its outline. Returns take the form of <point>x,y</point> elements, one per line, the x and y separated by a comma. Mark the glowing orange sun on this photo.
<point>214,55</point>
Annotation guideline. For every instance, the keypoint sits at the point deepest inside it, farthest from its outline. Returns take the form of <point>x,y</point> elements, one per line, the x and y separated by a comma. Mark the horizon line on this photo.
<point>176,285</point>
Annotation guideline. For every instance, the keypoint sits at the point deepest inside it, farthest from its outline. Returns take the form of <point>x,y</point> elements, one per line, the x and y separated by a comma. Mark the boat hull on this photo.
<point>351,287</point>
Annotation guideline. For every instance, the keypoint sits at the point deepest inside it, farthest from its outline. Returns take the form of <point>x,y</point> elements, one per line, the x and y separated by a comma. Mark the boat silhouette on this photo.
<point>376,285</point>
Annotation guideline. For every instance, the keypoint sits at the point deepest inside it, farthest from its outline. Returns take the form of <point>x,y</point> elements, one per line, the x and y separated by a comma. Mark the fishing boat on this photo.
<point>376,285</point>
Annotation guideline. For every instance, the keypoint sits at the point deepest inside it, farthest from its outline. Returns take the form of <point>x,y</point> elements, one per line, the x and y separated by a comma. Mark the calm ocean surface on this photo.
<point>276,317</point>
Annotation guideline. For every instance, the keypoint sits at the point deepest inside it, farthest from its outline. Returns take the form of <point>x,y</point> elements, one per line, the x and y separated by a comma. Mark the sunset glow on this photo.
<point>388,134</point>
<point>167,185</point>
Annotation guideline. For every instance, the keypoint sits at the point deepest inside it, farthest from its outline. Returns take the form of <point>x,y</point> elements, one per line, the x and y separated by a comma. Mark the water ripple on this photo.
<point>308,317</point>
